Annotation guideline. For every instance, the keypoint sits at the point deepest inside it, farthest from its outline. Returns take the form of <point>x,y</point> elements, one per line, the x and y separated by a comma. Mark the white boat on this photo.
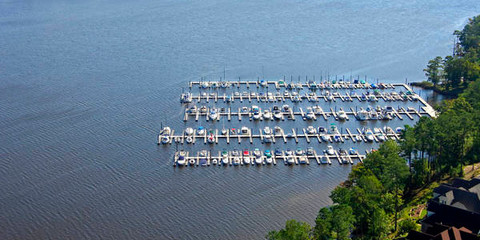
<point>214,161</point>
<point>211,138</point>
<point>267,115</point>
<point>267,135</point>
<point>213,114</point>
<point>302,160</point>
<point>369,135</point>
<point>379,134</point>
<point>258,160</point>
<point>263,83</point>
<point>311,130</point>
<point>257,114</point>
<point>189,131</point>
<point>310,113</point>
<point>246,156</point>
<point>224,156</point>
<point>186,98</point>
<point>362,115</point>
<point>342,115</point>
<point>165,139</point>
<point>189,139</point>
<point>200,130</point>
<point>277,114</point>
<point>165,131</point>
<point>353,151</point>
<point>270,97</point>
<point>290,157</point>
<point>269,159</point>
<point>267,131</point>
<point>205,85</point>
<point>245,130</point>
<point>224,131</point>
<point>330,150</point>
<point>181,161</point>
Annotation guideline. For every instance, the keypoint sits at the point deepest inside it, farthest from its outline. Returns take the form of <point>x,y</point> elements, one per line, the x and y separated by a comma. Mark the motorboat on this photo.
<point>165,139</point>
<point>213,114</point>
<point>310,151</point>
<point>310,114</point>
<point>267,131</point>
<point>192,109</point>
<point>181,161</point>
<point>214,161</point>
<point>324,160</point>
<point>233,131</point>
<point>258,156</point>
<point>267,115</point>
<point>257,152</point>
<point>270,97</point>
<point>246,156</point>
<point>352,151</point>
<point>299,152</point>
<point>165,131</point>
<point>302,159</point>
<point>224,131</point>
<point>189,139</point>
<point>342,115</point>
<point>203,109</point>
<point>186,97</point>
<point>191,162</point>
<point>267,138</point>
<point>257,114</point>
<point>189,131</point>
<point>204,84</point>
<point>344,156</point>
<point>369,135</point>
<point>399,130</point>
<point>311,130</point>
<point>379,134</point>
<point>278,152</point>
<point>263,83</point>
<point>268,156</point>
<point>286,108</point>
<point>290,157</point>
<point>267,135</point>
<point>236,157</point>
<point>277,115</point>
<point>224,156</point>
<point>245,130</point>
<point>330,150</point>
<point>211,138</point>
<point>200,130</point>
<point>362,115</point>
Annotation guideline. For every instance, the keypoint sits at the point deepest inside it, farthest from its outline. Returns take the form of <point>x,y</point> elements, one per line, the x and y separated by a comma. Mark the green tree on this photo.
<point>335,222</point>
<point>294,230</point>
<point>434,70</point>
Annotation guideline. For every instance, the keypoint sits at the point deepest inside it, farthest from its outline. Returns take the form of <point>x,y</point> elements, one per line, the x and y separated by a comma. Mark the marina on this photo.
<point>370,109</point>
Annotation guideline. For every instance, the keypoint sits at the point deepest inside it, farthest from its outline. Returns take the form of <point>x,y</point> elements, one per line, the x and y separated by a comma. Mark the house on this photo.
<point>453,213</point>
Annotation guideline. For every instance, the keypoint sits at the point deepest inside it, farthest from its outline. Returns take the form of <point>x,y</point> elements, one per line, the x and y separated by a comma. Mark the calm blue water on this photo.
<point>85,85</point>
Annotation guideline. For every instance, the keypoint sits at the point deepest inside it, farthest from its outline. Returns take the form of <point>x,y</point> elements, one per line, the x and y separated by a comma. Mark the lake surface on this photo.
<point>85,86</point>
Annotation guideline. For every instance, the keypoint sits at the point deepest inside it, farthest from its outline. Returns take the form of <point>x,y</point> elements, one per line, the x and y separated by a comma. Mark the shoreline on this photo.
<point>428,86</point>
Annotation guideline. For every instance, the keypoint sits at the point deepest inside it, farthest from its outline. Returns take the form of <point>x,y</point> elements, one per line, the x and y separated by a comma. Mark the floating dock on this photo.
<point>217,160</point>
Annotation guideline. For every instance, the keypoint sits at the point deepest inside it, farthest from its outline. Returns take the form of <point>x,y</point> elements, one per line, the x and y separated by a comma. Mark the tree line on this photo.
<point>456,71</point>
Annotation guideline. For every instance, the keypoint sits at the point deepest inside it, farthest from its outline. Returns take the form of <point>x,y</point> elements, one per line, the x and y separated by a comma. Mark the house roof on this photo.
<point>443,233</point>
<point>452,216</point>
